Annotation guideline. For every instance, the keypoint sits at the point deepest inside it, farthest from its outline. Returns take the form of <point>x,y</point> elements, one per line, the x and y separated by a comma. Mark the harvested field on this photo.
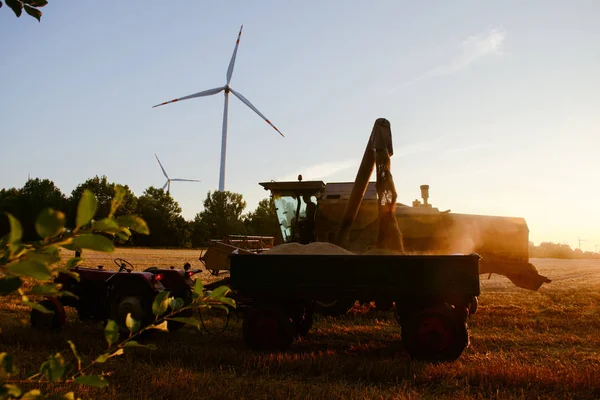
<point>524,345</point>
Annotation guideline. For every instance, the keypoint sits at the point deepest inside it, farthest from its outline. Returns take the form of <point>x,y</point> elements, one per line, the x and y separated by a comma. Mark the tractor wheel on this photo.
<point>128,305</point>
<point>434,334</point>
<point>267,328</point>
<point>48,322</point>
<point>335,308</point>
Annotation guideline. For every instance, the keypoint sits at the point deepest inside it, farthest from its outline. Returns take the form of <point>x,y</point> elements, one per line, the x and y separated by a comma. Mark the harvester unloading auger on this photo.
<point>359,216</point>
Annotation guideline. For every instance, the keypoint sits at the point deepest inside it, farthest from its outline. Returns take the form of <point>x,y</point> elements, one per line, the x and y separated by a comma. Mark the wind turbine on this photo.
<point>169,180</point>
<point>226,89</point>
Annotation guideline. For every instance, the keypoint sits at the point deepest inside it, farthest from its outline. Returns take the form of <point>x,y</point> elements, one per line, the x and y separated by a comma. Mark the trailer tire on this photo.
<point>473,305</point>
<point>48,322</point>
<point>267,327</point>
<point>334,308</point>
<point>434,334</point>
<point>303,322</point>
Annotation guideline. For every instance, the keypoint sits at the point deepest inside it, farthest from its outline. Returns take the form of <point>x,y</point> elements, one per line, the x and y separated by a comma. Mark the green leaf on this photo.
<point>104,357</point>
<point>111,332</point>
<point>33,268</point>
<point>175,304</point>
<point>34,394</point>
<point>86,209</point>
<point>68,272</point>
<point>133,343</point>
<point>36,306</point>
<point>92,380</point>
<point>108,225</point>
<point>16,6</point>
<point>227,301</point>
<point>9,285</point>
<point>75,353</point>
<point>116,202</point>
<point>50,289</point>
<point>221,291</point>
<point>48,255</point>
<point>73,262</point>
<point>161,327</point>
<point>132,324</point>
<point>220,307</point>
<point>54,368</point>
<point>161,303</point>
<point>13,390</point>
<point>6,365</point>
<point>49,222</point>
<point>198,288</point>
<point>34,12</point>
<point>188,321</point>
<point>134,223</point>
<point>35,3</point>
<point>94,242</point>
<point>16,232</point>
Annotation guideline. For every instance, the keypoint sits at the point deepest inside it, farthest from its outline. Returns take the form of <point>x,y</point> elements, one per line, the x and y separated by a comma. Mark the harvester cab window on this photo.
<point>296,214</point>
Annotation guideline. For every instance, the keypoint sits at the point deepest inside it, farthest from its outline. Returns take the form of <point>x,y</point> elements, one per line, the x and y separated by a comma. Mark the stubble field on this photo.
<point>524,344</point>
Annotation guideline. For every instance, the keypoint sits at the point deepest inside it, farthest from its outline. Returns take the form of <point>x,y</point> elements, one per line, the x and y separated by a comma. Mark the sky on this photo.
<point>493,104</point>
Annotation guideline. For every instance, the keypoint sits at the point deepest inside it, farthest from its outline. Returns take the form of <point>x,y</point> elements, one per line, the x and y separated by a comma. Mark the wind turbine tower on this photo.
<point>226,90</point>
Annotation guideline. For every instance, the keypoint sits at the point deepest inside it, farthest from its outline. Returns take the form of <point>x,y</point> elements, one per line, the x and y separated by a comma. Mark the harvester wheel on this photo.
<point>267,327</point>
<point>48,322</point>
<point>434,334</point>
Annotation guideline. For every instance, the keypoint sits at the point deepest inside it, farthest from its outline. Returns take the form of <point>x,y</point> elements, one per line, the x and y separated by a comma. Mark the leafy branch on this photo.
<point>31,7</point>
<point>31,261</point>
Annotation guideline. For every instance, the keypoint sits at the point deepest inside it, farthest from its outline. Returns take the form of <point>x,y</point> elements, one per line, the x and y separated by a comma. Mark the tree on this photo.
<point>31,7</point>
<point>222,215</point>
<point>263,221</point>
<point>104,192</point>
<point>26,203</point>
<point>163,216</point>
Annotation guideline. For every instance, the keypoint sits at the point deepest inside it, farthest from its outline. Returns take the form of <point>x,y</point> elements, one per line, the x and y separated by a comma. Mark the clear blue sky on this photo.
<point>493,104</point>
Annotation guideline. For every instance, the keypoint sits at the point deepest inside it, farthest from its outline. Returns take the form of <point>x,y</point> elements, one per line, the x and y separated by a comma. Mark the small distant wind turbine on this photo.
<point>226,89</point>
<point>169,180</point>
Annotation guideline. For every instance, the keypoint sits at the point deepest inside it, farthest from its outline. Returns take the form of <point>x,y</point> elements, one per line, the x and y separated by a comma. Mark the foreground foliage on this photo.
<point>26,269</point>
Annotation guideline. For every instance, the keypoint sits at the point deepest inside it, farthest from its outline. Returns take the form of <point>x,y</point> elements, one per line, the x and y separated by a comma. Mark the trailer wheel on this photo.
<point>303,322</point>
<point>267,328</point>
<point>473,305</point>
<point>434,334</point>
<point>48,322</point>
<point>335,308</point>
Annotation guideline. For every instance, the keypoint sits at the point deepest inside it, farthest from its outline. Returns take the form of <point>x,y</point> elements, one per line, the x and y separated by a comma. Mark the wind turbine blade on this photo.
<point>232,62</point>
<point>208,92</point>
<point>164,187</point>
<point>161,167</point>
<point>184,180</point>
<point>246,102</point>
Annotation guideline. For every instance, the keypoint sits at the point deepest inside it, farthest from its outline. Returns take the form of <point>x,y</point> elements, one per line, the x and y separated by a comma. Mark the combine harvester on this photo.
<point>346,214</point>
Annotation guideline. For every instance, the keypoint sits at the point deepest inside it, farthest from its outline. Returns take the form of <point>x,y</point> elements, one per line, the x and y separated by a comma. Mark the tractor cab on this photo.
<point>296,205</point>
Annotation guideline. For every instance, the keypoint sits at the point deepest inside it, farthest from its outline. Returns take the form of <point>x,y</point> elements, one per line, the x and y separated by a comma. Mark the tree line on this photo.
<point>223,213</point>
<point>558,250</point>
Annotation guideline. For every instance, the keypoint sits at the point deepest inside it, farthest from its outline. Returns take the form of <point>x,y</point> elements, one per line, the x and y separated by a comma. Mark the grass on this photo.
<point>524,345</point>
